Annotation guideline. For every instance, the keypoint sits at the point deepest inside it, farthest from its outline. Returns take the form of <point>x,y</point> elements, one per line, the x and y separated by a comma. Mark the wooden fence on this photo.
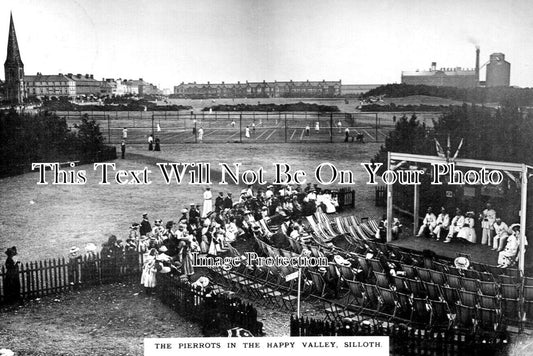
<point>404,340</point>
<point>53,276</point>
<point>216,312</point>
<point>346,198</point>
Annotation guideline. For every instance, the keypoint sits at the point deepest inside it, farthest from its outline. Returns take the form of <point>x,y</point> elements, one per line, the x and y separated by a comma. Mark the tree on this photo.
<point>89,138</point>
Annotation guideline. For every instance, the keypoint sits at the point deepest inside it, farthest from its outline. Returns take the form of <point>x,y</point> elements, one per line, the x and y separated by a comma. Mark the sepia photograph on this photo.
<point>236,176</point>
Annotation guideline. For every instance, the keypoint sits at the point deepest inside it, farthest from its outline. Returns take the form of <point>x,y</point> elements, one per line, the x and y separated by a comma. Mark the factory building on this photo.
<point>498,74</point>
<point>498,71</point>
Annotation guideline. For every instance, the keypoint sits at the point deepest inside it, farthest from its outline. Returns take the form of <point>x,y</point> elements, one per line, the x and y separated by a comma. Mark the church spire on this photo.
<point>13,53</point>
<point>14,68</point>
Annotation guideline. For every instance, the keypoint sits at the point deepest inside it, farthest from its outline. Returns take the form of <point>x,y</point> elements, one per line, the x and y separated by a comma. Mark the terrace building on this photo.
<point>50,85</point>
<point>264,89</point>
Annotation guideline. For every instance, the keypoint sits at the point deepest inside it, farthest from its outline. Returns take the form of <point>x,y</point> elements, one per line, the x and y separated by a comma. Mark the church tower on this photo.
<point>14,68</point>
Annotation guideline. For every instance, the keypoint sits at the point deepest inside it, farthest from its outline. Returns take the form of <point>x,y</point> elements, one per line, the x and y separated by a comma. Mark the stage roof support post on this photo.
<point>389,204</point>
<point>416,209</point>
<point>523,207</point>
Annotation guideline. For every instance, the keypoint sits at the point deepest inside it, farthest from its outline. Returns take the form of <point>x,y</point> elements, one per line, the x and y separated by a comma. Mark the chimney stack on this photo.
<point>477,63</point>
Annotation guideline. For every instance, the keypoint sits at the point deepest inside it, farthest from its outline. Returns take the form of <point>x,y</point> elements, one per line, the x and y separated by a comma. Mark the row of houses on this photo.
<point>78,85</point>
<point>262,89</point>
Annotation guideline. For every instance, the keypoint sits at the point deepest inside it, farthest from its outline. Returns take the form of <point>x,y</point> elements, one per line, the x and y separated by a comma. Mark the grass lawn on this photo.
<point>44,221</point>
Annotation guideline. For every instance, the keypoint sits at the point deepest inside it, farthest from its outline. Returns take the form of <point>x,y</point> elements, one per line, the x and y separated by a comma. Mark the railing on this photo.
<point>217,313</point>
<point>405,340</point>
<point>232,126</point>
<point>346,198</point>
<point>53,276</point>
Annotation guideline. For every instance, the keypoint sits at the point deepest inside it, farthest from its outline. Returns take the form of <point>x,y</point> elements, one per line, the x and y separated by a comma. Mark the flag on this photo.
<point>458,149</point>
<point>440,151</point>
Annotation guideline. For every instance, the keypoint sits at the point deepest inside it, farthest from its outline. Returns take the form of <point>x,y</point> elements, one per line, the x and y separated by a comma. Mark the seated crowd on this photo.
<point>494,232</point>
<point>169,248</point>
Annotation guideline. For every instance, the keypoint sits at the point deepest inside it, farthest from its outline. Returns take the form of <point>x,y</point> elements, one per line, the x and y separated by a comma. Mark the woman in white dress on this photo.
<point>148,279</point>
<point>208,202</point>
<point>468,232</point>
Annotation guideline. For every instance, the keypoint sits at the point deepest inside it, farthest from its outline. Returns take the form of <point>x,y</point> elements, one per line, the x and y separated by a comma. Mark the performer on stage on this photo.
<point>467,232</point>
<point>501,233</point>
<point>456,225</point>
<point>442,224</point>
<point>487,218</point>
<point>429,223</point>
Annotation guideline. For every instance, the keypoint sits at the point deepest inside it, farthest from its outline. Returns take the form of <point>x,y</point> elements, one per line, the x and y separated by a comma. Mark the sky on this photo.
<point>167,42</point>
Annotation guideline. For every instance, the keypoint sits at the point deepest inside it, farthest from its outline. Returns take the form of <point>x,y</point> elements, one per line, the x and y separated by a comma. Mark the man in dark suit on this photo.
<point>219,202</point>
<point>228,202</point>
<point>146,227</point>
<point>194,215</point>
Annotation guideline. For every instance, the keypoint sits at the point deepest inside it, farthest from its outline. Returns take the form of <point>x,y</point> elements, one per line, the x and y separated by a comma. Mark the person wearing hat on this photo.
<point>508,256</point>
<point>146,227</point>
<point>219,202</point>
<point>74,261</point>
<point>442,224</point>
<point>11,278</point>
<point>148,276</point>
<point>158,228</point>
<point>194,214</point>
<point>501,232</point>
<point>428,224</point>
<point>228,201</point>
<point>467,232</point>
<point>157,144</point>
<point>171,241</point>
<point>123,149</point>
<point>111,254</point>
<point>455,226</point>
<point>131,257</point>
<point>487,218</point>
<point>185,248</point>
<point>208,202</point>
<point>89,266</point>
<point>183,219</point>
<point>134,232</point>
<point>231,230</point>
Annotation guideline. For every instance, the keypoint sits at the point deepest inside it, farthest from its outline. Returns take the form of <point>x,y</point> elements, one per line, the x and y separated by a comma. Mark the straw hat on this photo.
<point>74,250</point>
<point>341,261</point>
<point>461,262</point>
<point>90,247</point>
<point>513,226</point>
<point>201,282</point>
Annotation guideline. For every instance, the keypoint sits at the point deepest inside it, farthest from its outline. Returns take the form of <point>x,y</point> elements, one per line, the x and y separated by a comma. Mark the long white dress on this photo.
<point>208,203</point>
<point>467,232</point>
<point>148,278</point>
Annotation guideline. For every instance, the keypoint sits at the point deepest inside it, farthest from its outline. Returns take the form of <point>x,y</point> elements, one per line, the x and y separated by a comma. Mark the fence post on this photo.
<point>108,130</point>
<point>376,127</point>
<point>285,127</point>
<point>240,128</point>
<point>331,127</point>
<point>195,131</point>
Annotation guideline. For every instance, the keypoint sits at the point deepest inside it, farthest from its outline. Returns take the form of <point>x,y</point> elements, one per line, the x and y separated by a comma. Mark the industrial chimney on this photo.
<point>477,64</point>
